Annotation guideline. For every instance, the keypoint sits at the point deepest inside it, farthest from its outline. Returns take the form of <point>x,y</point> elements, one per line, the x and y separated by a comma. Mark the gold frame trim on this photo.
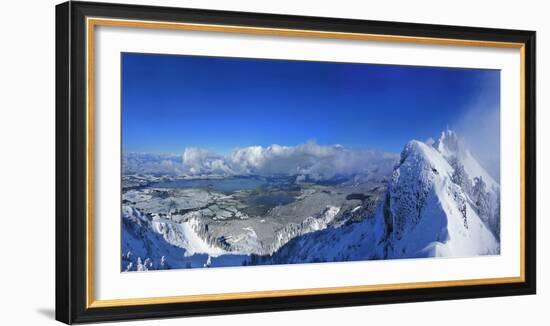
<point>92,22</point>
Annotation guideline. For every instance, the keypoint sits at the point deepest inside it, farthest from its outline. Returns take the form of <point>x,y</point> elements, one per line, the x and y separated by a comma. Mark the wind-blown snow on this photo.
<point>450,145</point>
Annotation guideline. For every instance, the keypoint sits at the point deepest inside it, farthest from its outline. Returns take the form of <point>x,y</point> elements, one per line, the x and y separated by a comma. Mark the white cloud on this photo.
<point>311,160</point>
<point>133,163</point>
<point>200,161</point>
<point>480,128</point>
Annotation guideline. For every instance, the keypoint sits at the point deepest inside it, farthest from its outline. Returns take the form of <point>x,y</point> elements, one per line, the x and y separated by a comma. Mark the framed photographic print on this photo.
<point>212,162</point>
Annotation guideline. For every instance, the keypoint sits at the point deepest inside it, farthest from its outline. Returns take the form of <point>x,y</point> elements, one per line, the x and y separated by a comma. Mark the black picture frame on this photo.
<point>71,158</point>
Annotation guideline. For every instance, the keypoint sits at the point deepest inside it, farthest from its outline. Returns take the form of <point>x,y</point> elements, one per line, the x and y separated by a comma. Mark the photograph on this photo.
<point>230,161</point>
<point>215,160</point>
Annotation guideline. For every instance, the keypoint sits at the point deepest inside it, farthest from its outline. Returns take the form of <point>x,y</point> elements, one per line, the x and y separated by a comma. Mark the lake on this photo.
<point>223,185</point>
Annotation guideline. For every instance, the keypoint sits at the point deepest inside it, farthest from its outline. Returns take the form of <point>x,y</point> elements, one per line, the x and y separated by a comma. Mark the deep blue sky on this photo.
<point>171,102</point>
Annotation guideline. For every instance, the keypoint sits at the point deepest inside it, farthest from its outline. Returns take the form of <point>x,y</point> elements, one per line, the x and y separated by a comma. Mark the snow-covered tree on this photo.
<point>460,200</point>
<point>148,263</point>
<point>208,262</point>
<point>495,222</point>
<point>460,177</point>
<point>140,266</point>
<point>482,200</point>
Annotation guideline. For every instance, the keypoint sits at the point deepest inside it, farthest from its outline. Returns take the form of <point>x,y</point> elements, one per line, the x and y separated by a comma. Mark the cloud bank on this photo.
<point>309,160</point>
<point>480,129</point>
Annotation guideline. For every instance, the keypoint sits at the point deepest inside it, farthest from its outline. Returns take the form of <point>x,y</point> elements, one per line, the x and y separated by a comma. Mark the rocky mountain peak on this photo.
<point>449,143</point>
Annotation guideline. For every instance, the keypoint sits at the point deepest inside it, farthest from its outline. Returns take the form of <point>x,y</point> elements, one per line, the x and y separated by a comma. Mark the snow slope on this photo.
<point>153,243</point>
<point>184,235</point>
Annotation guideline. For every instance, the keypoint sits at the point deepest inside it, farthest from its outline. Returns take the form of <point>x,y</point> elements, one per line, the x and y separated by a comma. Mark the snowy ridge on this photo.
<point>185,235</point>
<point>143,249</point>
<point>177,241</point>
<point>346,242</point>
<point>310,224</point>
<point>429,215</point>
<point>154,243</point>
<point>483,192</point>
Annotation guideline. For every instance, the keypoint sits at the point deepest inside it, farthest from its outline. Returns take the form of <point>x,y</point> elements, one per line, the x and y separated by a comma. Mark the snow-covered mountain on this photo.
<point>438,202</point>
<point>432,208</point>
